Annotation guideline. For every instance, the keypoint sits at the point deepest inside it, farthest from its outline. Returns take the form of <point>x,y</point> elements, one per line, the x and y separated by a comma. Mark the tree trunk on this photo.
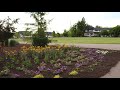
<point>6,43</point>
<point>2,44</point>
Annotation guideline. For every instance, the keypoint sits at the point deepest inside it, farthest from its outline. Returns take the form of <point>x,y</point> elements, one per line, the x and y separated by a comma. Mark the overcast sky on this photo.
<point>63,20</point>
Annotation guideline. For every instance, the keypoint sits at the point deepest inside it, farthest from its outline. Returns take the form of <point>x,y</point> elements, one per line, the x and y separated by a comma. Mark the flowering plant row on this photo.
<point>49,61</point>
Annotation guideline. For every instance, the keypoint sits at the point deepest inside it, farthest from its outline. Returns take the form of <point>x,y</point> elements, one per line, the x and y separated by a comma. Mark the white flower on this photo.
<point>98,51</point>
<point>103,52</point>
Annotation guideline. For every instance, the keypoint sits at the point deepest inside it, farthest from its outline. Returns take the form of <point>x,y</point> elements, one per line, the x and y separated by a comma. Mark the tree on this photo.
<point>27,33</point>
<point>16,35</point>
<point>65,33</point>
<point>7,30</point>
<point>78,29</point>
<point>98,26</point>
<point>73,31</point>
<point>115,31</point>
<point>53,33</point>
<point>58,35</point>
<point>111,32</point>
<point>39,38</point>
<point>81,27</point>
<point>89,27</point>
<point>40,22</point>
<point>104,33</point>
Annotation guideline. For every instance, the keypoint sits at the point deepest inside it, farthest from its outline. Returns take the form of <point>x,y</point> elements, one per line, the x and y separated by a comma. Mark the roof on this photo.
<point>102,28</point>
<point>49,32</point>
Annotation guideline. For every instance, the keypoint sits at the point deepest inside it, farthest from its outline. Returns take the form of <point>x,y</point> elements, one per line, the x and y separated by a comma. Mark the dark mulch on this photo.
<point>16,47</point>
<point>110,60</point>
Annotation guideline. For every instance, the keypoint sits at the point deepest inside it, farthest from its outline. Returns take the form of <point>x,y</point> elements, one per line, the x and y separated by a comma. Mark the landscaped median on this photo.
<point>56,61</point>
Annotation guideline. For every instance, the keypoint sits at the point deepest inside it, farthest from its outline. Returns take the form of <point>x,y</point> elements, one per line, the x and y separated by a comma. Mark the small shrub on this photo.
<point>49,41</point>
<point>52,61</point>
<point>5,72</point>
<point>19,68</point>
<point>36,60</point>
<point>13,43</point>
<point>27,63</point>
<point>38,41</point>
<point>68,63</point>
<point>57,65</point>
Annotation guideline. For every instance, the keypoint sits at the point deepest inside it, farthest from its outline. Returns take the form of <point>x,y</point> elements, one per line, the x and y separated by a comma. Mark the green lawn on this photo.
<point>86,40</point>
<point>28,40</point>
<point>77,40</point>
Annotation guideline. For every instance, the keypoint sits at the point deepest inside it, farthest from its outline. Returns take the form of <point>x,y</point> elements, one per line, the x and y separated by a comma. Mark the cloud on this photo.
<point>63,20</point>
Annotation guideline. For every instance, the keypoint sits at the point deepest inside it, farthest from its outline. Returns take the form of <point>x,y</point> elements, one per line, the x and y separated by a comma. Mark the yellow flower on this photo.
<point>48,47</point>
<point>58,49</point>
<point>38,76</point>
<point>57,76</point>
<point>73,73</point>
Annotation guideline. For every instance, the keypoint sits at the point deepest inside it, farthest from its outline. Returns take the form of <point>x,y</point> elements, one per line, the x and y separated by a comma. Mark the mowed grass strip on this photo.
<point>86,40</point>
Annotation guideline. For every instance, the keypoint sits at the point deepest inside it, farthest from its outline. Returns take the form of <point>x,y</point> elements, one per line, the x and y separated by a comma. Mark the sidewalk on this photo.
<point>114,72</point>
<point>101,46</point>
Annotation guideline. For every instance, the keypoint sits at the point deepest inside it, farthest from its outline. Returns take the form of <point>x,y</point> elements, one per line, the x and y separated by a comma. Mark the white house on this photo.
<point>94,32</point>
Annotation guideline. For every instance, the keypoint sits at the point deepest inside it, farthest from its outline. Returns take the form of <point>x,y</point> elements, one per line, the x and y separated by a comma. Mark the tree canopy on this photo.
<point>7,29</point>
<point>115,31</point>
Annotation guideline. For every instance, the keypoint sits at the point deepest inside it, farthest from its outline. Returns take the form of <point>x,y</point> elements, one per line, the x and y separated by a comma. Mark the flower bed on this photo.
<point>26,61</point>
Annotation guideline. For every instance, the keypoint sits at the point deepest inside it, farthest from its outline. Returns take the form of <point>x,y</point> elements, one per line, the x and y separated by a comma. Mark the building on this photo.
<point>94,32</point>
<point>22,34</point>
<point>49,34</point>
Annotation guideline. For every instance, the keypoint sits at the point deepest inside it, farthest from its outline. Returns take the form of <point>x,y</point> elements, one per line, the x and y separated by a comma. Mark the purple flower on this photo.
<point>48,69</point>
<point>77,65</point>
<point>16,75</point>
<point>57,71</point>
<point>41,68</point>
<point>85,63</point>
<point>37,72</point>
<point>63,68</point>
